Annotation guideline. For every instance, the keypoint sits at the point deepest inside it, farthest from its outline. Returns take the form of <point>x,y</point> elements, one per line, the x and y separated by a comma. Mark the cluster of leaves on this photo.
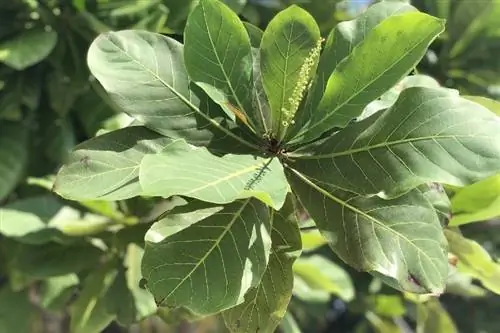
<point>237,137</point>
<point>246,125</point>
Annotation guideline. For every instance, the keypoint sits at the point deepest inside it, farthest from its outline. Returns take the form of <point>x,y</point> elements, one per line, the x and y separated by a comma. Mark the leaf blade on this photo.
<point>107,167</point>
<point>218,180</point>
<point>426,136</point>
<point>223,234</point>
<point>286,43</point>
<point>385,241</point>
<point>218,55</point>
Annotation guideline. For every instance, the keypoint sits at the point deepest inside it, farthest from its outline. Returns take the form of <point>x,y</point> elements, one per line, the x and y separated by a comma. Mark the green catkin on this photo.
<point>302,85</point>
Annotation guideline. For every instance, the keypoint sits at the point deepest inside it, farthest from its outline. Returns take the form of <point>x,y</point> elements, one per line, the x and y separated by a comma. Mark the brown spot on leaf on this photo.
<point>85,161</point>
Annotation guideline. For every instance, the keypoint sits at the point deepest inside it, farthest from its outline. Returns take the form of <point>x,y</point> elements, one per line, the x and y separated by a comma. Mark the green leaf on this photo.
<point>120,301</point>
<point>312,240</point>
<point>89,313</point>
<point>255,35</point>
<point>28,48</point>
<point>218,58</point>
<point>287,41</point>
<point>16,311</point>
<point>386,305</point>
<point>469,21</point>
<point>56,292</point>
<point>381,324</point>
<point>266,304</point>
<point>144,302</point>
<point>392,49</point>
<point>107,167</point>
<point>320,273</point>
<point>476,202</point>
<point>38,220</point>
<point>157,93</point>
<point>400,239</point>
<point>208,266</point>
<point>463,285</point>
<point>433,318</point>
<point>490,104</point>
<point>474,260</point>
<point>390,97</point>
<point>428,135</point>
<point>289,325</point>
<point>340,43</point>
<point>13,155</point>
<point>52,259</point>
<point>194,172</point>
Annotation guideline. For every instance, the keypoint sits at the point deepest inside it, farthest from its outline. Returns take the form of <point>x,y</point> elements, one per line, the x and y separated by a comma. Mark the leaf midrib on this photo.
<point>381,145</point>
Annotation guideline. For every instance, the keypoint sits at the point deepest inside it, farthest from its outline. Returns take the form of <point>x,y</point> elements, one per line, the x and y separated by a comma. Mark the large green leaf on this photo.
<point>194,172</point>
<point>13,155</point>
<point>400,239</point>
<point>107,167</point>
<point>387,54</point>
<point>144,74</point>
<point>218,58</point>
<point>89,313</point>
<point>340,43</point>
<point>287,42</point>
<point>38,220</point>
<point>474,260</point>
<point>428,135</point>
<point>477,202</point>
<point>208,266</point>
<point>266,304</point>
<point>28,48</point>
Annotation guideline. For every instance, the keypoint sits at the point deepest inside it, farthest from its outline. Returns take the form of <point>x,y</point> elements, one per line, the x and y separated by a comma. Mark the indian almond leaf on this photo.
<point>144,74</point>
<point>398,240</point>
<point>286,44</point>
<point>207,266</point>
<point>339,44</point>
<point>433,318</point>
<point>392,48</point>
<point>427,136</point>
<point>265,305</point>
<point>474,260</point>
<point>13,155</point>
<point>181,169</point>
<point>218,57</point>
<point>107,167</point>
<point>477,202</point>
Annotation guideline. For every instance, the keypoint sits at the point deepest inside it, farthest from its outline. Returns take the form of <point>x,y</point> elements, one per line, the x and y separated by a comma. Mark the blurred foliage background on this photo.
<point>51,250</point>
